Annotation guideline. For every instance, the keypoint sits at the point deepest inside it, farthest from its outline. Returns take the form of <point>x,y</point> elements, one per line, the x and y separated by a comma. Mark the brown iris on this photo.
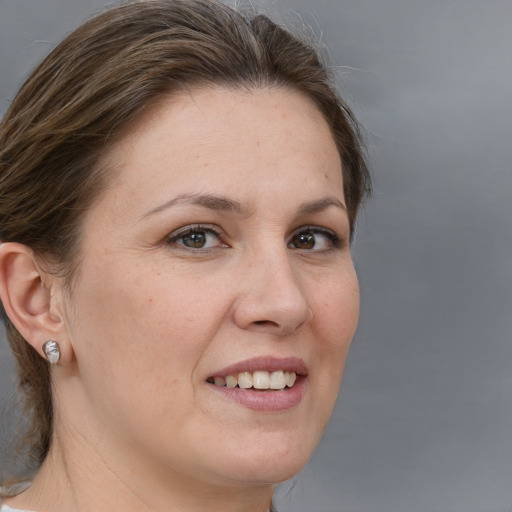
<point>304,241</point>
<point>194,240</point>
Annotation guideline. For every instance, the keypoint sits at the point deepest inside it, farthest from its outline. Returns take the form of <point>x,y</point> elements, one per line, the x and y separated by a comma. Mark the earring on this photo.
<point>52,351</point>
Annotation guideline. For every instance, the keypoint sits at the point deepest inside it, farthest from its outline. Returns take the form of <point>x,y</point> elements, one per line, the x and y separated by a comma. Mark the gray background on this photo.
<point>424,418</point>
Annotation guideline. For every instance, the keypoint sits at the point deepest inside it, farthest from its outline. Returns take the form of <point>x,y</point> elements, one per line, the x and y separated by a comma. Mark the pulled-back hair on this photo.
<point>96,82</point>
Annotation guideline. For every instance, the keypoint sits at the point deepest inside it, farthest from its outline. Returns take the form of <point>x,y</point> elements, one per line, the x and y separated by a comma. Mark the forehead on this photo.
<point>220,137</point>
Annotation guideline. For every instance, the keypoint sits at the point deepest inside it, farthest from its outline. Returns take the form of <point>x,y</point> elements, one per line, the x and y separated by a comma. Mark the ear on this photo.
<point>30,298</point>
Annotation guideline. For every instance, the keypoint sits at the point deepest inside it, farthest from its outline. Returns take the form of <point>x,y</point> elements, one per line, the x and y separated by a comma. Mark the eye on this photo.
<point>196,238</point>
<point>314,239</point>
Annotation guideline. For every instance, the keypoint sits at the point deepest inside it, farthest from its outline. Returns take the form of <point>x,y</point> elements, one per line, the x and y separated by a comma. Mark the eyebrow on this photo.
<point>210,201</point>
<point>221,203</point>
<point>320,205</point>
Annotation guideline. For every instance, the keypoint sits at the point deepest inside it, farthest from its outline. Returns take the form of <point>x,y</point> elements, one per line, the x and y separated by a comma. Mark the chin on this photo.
<point>271,462</point>
<point>268,473</point>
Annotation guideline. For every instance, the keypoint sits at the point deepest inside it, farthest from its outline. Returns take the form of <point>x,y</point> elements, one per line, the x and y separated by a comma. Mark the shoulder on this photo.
<point>11,490</point>
<point>5,508</point>
<point>14,488</point>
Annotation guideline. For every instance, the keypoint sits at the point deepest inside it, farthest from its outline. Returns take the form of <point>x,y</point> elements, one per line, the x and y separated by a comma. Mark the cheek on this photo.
<point>335,313</point>
<point>137,322</point>
<point>336,317</point>
<point>338,310</point>
<point>138,331</point>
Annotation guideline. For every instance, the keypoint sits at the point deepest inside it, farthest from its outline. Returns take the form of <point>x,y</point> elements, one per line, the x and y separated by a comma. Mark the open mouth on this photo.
<point>259,379</point>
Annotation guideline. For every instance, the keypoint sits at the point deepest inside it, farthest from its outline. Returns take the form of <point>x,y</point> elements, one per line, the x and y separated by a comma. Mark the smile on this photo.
<point>259,379</point>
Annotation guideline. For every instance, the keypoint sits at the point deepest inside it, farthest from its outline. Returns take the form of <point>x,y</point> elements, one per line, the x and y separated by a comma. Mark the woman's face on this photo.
<point>218,256</point>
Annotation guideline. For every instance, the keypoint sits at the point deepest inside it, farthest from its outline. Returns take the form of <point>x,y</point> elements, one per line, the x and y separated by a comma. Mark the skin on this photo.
<point>148,319</point>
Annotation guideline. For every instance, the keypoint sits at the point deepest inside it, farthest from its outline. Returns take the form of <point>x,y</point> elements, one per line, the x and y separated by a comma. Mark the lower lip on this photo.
<point>266,400</point>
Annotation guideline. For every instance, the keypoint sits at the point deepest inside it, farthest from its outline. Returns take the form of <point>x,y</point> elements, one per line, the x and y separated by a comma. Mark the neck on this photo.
<point>85,479</point>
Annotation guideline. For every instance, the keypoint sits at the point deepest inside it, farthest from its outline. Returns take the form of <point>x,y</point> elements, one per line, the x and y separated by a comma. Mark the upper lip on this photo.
<point>265,363</point>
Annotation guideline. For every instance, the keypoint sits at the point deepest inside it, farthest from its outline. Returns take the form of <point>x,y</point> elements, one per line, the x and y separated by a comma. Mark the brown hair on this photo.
<point>97,81</point>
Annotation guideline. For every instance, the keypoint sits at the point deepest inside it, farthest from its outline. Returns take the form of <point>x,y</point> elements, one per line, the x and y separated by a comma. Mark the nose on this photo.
<point>271,296</point>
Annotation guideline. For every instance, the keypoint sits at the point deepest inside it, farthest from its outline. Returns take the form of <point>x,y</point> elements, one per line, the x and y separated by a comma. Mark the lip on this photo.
<point>265,400</point>
<point>265,363</point>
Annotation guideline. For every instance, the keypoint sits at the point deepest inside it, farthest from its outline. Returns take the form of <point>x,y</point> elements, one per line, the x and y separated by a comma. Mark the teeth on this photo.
<point>219,381</point>
<point>258,380</point>
<point>277,380</point>
<point>245,380</point>
<point>231,381</point>
<point>289,378</point>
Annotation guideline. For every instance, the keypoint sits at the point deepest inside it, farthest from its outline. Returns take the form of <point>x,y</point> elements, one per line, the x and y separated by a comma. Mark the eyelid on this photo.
<point>173,237</point>
<point>190,228</point>
<point>337,241</point>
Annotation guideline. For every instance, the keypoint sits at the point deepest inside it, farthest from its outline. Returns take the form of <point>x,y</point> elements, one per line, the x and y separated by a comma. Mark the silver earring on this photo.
<point>52,351</point>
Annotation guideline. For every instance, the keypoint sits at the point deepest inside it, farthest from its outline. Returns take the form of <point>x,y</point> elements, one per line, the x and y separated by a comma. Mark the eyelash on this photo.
<point>335,242</point>
<point>209,229</point>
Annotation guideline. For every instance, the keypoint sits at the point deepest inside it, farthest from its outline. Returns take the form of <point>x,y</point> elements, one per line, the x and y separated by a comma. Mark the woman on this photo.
<point>178,189</point>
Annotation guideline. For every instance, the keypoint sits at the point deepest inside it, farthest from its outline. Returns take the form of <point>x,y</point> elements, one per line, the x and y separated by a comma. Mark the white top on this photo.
<point>5,508</point>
